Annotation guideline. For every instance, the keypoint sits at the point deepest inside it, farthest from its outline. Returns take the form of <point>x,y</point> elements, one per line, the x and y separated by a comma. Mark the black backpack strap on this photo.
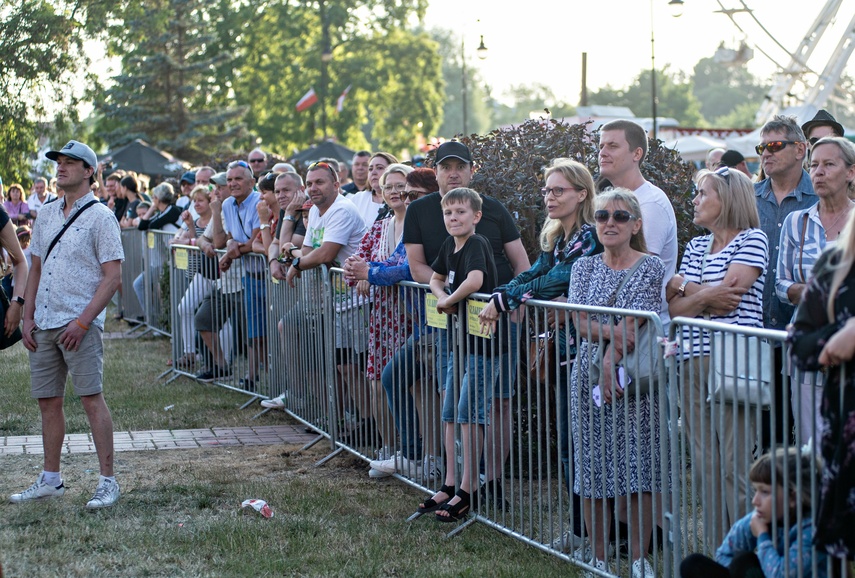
<point>66,226</point>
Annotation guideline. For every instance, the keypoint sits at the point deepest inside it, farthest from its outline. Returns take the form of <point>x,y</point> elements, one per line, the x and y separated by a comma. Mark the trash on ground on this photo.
<point>259,506</point>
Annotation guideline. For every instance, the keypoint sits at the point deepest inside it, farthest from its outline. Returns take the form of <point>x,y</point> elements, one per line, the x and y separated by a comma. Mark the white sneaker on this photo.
<point>430,468</point>
<point>569,541</point>
<point>601,565</point>
<point>106,495</point>
<point>275,403</point>
<point>383,454</point>
<point>38,491</point>
<point>641,568</point>
<point>399,464</point>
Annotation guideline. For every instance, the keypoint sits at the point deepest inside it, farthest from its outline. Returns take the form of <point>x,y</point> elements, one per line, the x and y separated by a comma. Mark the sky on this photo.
<point>543,40</point>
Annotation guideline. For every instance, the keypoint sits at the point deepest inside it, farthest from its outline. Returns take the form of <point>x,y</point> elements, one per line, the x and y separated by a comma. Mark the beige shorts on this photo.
<point>51,364</point>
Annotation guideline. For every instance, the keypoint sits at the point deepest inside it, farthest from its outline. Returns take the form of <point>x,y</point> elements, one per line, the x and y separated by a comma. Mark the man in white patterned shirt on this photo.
<point>77,265</point>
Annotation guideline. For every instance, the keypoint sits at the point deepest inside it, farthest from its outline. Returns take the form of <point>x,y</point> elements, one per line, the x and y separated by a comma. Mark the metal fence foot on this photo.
<point>175,376</point>
<point>415,516</point>
<point>311,443</point>
<point>262,412</point>
<point>164,374</point>
<point>471,520</point>
<point>329,457</point>
<point>251,401</point>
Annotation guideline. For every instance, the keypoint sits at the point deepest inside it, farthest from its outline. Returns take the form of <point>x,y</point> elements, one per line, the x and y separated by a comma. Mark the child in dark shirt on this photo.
<point>464,266</point>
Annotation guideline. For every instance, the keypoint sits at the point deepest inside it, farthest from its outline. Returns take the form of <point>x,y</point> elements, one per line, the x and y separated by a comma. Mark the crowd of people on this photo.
<point>778,254</point>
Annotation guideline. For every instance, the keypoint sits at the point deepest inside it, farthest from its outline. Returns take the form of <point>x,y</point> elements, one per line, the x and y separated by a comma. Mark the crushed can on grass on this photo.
<point>259,506</point>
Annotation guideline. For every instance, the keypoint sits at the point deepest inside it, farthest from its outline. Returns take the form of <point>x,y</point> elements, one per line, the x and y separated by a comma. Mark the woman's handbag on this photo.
<point>542,358</point>
<point>6,342</point>
<point>642,364</point>
<point>740,370</point>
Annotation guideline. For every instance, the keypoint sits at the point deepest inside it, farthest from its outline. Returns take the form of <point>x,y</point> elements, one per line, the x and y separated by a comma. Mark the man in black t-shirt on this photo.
<point>424,233</point>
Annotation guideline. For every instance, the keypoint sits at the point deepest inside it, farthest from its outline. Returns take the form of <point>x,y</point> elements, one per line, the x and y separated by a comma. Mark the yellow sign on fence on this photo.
<point>433,317</point>
<point>181,259</point>
<point>473,324</point>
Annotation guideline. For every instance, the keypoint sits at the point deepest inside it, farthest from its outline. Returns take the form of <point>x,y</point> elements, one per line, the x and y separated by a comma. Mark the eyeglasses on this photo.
<point>256,160</point>
<point>774,146</point>
<point>323,165</point>
<point>398,187</point>
<point>620,216</point>
<point>556,191</point>
<point>412,195</point>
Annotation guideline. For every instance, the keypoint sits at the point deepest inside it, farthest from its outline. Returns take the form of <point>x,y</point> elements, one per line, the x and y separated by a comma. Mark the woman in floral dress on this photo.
<point>618,440</point>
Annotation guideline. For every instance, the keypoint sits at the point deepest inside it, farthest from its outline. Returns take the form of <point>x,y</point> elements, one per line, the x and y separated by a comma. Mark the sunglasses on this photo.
<point>813,140</point>
<point>774,146</point>
<point>242,164</point>
<point>412,195</point>
<point>256,160</point>
<point>620,216</point>
<point>323,165</point>
<point>556,191</point>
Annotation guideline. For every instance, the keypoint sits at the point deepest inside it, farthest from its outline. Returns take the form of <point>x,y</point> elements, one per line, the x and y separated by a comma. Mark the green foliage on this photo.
<point>42,67</point>
<point>527,99</point>
<point>674,97</point>
<point>723,90</point>
<point>510,168</point>
<point>479,118</point>
<point>160,96</point>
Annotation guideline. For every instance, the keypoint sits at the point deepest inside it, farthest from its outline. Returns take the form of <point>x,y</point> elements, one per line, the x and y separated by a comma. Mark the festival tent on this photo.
<point>694,147</point>
<point>326,149</point>
<point>141,157</point>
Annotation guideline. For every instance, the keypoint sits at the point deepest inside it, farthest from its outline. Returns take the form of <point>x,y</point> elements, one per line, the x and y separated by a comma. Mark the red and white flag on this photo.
<point>339,105</point>
<point>307,101</point>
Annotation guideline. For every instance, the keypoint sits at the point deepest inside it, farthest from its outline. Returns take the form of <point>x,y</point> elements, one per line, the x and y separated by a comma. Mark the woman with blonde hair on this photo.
<point>568,233</point>
<point>822,337</point>
<point>720,279</point>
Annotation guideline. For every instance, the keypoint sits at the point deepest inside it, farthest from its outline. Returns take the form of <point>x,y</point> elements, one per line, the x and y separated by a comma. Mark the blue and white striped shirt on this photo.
<point>795,263</point>
<point>749,247</point>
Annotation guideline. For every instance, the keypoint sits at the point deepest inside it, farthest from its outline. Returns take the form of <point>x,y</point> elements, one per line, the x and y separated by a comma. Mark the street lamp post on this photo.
<point>676,11</point>
<point>481,51</point>
<point>326,57</point>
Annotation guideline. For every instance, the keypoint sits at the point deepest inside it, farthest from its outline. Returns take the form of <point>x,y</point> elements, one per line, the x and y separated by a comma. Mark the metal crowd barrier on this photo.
<point>718,432</point>
<point>132,244</point>
<point>548,460</point>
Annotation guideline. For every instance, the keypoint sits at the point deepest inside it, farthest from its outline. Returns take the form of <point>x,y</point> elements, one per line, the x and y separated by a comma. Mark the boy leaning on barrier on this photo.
<point>464,266</point>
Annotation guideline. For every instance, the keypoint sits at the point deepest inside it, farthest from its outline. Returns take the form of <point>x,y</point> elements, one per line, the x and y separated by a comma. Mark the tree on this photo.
<point>161,95</point>
<point>722,90</point>
<point>478,101</point>
<point>42,65</point>
<point>673,96</point>
<point>527,99</point>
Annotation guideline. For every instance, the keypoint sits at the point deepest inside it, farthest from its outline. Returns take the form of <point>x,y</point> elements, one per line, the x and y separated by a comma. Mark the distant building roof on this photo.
<point>607,111</point>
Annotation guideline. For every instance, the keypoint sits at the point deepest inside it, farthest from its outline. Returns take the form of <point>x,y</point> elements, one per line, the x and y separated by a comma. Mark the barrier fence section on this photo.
<point>519,417</point>
<point>132,244</point>
<point>729,381</point>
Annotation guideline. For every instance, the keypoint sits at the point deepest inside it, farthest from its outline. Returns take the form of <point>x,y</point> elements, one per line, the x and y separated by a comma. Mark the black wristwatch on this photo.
<point>19,300</point>
<point>296,264</point>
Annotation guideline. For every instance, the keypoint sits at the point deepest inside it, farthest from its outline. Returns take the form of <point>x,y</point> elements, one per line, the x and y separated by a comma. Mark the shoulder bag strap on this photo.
<point>66,226</point>
<point>802,245</point>
<point>628,276</point>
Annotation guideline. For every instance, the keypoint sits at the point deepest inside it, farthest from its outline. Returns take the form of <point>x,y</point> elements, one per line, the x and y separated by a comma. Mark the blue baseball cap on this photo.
<point>189,176</point>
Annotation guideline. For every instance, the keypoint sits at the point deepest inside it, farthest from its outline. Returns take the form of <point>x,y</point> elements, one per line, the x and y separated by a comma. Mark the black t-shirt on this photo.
<point>476,255</point>
<point>4,217</point>
<point>171,216</point>
<point>424,226</point>
<point>299,226</point>
<point>119,208</point>
<point>349,189</point>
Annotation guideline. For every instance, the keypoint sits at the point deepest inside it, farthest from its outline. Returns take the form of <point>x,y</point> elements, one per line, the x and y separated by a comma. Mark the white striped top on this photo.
<point>750,247</point>
<point>815,243</point>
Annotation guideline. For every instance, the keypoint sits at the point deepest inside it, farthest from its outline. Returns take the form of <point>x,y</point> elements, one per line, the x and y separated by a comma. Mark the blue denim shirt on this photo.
<point>776,314</point>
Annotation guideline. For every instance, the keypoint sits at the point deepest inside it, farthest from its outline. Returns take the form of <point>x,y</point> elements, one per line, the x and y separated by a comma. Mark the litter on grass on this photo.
<point>259,506</point>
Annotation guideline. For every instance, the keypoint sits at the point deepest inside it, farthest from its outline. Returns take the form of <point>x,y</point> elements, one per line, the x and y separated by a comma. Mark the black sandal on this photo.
<point>431,505</point>
<point>456,511</point>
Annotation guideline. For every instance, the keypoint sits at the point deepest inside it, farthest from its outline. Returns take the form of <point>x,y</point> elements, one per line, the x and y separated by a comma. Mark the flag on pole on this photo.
<point>307,101</point>
<point>339,105</point>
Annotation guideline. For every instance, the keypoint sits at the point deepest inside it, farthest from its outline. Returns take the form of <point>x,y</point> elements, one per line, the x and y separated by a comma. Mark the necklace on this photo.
<point>829,229</point>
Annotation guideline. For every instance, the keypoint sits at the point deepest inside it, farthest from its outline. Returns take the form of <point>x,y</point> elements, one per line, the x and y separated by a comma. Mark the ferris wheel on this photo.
<point>796,82</point>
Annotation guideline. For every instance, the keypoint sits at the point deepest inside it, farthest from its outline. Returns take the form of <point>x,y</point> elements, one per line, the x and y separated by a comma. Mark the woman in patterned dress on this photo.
<point>823,337</point>
<point>387,325</point>
<point>616,443</point>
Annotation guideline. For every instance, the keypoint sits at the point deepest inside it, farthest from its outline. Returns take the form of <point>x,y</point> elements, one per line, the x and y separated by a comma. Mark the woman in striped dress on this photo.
<point>721,279</point>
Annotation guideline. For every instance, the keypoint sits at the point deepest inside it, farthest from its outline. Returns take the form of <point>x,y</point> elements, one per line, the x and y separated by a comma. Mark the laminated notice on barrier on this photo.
<point>473,324</point>
<point>433,317</point>
<point>150,239</point>
<point>181,259</point>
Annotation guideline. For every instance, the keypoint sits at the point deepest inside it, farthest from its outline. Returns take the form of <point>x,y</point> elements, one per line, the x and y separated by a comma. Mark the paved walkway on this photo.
<point>166,439</point>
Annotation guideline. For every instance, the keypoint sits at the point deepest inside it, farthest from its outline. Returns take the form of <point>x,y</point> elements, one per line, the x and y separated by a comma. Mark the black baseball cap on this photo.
<point>731,159</point>
<point>453,149</point>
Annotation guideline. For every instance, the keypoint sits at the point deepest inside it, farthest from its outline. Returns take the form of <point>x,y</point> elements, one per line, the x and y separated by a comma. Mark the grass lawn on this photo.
<point>180,510</point>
